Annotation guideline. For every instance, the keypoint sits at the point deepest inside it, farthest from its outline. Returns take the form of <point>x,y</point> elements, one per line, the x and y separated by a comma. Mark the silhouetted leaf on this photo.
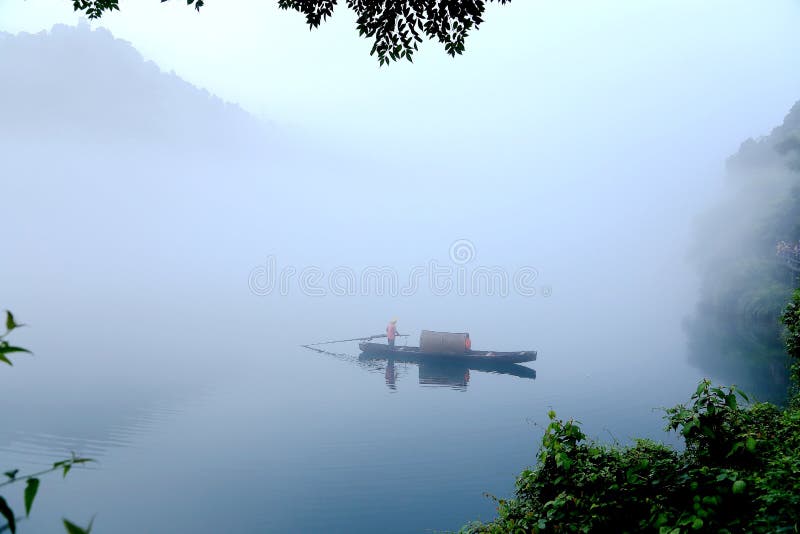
<point>6,511</point>
<point>389,24</point>
<point>10,323</point>
<point>30,494</point>
<point>7,349</point>
<point>72,528</point>
<point>11,474</point>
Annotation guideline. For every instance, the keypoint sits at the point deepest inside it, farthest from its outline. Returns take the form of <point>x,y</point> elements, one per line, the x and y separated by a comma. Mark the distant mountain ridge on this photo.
<point>81,84</point>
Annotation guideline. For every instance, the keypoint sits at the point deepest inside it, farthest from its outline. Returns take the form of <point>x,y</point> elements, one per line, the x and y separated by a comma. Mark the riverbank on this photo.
<point>739,470</point>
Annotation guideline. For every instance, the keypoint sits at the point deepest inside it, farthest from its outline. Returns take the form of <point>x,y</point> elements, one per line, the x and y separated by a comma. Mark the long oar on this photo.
<point>353,339</point>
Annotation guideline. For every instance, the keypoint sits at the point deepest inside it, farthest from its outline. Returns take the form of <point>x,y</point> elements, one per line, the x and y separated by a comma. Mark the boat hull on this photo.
<point>415,354</point>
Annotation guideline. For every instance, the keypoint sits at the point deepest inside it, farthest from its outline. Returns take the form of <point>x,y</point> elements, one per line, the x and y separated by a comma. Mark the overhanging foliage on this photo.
<point>395,26</point>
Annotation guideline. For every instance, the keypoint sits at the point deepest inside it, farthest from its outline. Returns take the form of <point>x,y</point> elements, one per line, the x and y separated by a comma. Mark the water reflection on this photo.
<point>432,373</point>
<point>746,352</point>
<point>438,373</point>
<point>391,375</point>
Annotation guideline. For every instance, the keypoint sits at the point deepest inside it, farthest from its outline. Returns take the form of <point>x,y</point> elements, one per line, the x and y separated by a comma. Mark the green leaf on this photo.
<point>697,524</point>
<point>11,323</point>
<point>72,528</point>
<point>700,387</point>
<point>5,360</point>
<point>8,514</point>
<point>738,486</point>
<point>67,467</point>
<point>751,444</point>
<point>7,349</point>
<point>736,446</point>
<point>30,494</point>
<point>11,474</point>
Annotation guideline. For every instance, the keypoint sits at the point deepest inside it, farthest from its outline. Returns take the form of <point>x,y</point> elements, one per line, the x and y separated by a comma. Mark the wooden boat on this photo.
<point>415,354</point>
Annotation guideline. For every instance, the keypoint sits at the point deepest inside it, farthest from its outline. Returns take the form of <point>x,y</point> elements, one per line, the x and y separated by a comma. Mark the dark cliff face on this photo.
<point>745,284</point>
<point>83,86</point>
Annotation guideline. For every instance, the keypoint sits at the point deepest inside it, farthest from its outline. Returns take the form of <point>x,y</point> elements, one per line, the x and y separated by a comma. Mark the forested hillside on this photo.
<point>85,86</point>
<point>745,282</point>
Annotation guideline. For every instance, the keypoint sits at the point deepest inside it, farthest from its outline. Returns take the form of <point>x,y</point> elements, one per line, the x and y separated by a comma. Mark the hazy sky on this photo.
<point>580,135</point>
<point>536,74</point>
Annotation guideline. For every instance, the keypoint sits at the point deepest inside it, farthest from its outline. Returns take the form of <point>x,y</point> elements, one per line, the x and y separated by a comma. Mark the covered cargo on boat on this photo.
<point>442,342</point>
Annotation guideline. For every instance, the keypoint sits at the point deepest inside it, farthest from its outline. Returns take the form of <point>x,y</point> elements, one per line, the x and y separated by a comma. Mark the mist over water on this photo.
<point>138,208</point>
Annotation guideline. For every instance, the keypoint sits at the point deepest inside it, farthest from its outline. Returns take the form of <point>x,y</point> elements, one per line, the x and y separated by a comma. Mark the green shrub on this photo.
<point>738,472</point>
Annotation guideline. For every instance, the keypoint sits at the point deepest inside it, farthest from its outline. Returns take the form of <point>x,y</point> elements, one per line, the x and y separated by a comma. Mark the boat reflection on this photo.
<point>434,372</point>
<point>455,375</point>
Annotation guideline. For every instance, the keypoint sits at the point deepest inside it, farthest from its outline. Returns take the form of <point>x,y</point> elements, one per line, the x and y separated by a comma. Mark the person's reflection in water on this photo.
<point>391,374</point>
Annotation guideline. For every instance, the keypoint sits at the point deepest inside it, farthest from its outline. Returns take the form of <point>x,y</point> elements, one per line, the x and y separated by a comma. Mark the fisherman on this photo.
<point>391,332</point>
<point>468,344</point>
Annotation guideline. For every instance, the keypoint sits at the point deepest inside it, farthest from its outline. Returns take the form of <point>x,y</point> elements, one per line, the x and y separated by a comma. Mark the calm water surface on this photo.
<point>210,418</point>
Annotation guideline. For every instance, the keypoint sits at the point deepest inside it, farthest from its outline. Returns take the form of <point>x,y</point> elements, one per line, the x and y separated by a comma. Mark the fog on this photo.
<point>139,182</point>
<point>745,282</point>
<point>151,183</point>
